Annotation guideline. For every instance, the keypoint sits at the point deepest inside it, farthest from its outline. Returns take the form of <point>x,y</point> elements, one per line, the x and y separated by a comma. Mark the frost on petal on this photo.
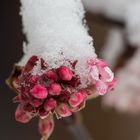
<point>102,88</point>
<point>30,64</point>
<point>21,115</point>
<point>39,92</point>
<point>91,61</point>
<point>34,79</point>
<point>63,110</point>
<point>94,73</point>
<point>46,126</point>
<point>76,99</point>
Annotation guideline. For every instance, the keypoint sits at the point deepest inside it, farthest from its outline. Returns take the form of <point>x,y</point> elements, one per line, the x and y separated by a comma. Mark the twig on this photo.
<point>76,128</point>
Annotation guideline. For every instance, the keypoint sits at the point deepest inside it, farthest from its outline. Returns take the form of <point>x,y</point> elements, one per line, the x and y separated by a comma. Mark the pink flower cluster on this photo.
<point>55,91</point>
<point>52,91</point>
<point>101,75</point>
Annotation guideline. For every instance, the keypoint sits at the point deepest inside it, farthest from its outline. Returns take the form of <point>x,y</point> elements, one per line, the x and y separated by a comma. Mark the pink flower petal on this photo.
<point>112,84</point>
<point>22,116</point>
<point>63,110</point>
<point>101,87</point>
<point>101,63</point>
<point>76,99</point>
<point>106,74</point>
<point>39,92</point>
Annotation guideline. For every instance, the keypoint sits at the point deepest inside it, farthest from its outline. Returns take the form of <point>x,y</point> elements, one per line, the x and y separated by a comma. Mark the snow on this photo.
<point>126,11</point>
<point>56,31</point>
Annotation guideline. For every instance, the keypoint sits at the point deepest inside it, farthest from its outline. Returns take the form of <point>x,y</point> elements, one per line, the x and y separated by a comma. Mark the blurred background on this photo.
<point>101,122</point>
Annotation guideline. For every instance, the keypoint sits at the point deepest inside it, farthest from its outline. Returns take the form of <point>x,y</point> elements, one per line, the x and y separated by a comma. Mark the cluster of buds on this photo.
<point>101,75</point>
<point>49,91</point>
<point>44,91</point>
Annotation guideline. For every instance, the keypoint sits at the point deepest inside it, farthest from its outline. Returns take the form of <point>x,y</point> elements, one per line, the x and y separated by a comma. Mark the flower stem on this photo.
<point>76,128</point>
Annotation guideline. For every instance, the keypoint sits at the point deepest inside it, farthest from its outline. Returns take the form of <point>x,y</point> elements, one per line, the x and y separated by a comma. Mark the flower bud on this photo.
<point>101,75</point>
<point>39,92</point>
<point>50,105</point>
<point>51,74</point>
<point>46,126</point>
<point>55,89</point>
<point>65,73</point>
<point>76,99</point>
<point>22,116</point>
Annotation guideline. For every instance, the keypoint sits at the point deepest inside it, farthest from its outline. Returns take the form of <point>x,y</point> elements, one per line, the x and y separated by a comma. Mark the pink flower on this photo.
<point>50,104</point>
<point>39,92</point>
<point>22,116</point>
<point>76,99</point>
<point>63,110</point>
<point>55,89</point>
<point>101,75</point>
<point>46,126</point>
<point>65,73</point>
<point>51,74</point>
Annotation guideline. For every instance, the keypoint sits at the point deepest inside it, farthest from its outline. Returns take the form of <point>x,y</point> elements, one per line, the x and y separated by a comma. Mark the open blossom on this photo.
<point>101,75</point>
